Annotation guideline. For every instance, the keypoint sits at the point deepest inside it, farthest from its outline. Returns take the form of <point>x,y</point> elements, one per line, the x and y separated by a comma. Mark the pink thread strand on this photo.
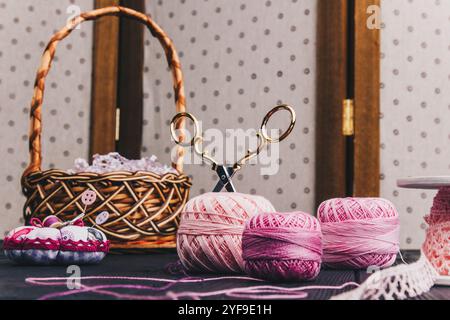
<point>252,292</point>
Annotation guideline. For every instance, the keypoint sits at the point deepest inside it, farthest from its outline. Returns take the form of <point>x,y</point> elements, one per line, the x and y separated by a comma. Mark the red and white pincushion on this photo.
<point>45,244</point>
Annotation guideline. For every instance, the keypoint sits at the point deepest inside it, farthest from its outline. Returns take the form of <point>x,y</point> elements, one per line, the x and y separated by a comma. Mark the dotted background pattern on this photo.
<point>25,28</point>
<point>415,105</point>
<point>240,59</point>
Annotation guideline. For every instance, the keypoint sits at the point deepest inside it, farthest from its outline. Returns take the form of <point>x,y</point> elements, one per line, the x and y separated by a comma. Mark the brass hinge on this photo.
<point>348,117</point>
<point>117,124</point>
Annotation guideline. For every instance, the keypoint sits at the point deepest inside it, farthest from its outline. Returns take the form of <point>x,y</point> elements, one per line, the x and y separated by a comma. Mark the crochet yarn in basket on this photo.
<point>209,238</point>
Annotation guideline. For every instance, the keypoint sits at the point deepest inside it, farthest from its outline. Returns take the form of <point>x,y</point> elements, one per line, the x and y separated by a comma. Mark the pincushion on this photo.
<point>72,244</point>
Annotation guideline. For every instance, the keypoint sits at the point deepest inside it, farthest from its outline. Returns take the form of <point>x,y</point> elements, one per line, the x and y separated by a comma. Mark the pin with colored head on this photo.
<point>88,198</point>
<point>101,218</point>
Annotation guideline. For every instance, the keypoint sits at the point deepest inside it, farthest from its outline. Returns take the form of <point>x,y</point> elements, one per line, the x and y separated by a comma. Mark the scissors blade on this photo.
<point>224,174</point>
<point>230,186</point>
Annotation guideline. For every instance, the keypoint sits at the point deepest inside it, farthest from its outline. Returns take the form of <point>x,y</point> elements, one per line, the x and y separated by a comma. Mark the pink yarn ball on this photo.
<point>370,223</point>
<point>209,238</point>
<point>282,246</point>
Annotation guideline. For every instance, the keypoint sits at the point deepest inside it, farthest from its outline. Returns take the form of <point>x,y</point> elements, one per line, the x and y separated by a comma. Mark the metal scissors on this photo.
<point>224,172</point>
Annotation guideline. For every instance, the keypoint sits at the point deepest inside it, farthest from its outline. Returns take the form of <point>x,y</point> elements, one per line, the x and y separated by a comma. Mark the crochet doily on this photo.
<point>113,161</point>
<point>397,283</point>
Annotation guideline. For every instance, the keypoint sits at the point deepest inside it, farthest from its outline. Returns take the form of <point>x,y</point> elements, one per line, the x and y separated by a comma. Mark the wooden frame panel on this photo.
<point>331,90</point>
<point>117,83</point>
<point>348,68</point>
<point>104,82</point>
<point>130,94</point>
<point>367,103</point>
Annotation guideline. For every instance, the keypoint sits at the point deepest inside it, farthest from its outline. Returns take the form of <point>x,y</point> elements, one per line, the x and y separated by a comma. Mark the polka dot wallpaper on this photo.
<point>415,105</point>
<point>240,59</point>
<point>25,28</point>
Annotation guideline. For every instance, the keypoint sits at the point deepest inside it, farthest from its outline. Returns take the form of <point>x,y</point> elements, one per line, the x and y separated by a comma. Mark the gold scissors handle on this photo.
<point>266,119</point>
<point>197,139</point>
<point>263,136</point>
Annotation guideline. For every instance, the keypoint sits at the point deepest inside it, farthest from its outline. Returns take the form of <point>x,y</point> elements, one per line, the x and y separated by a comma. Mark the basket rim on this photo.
<point>179,177</point>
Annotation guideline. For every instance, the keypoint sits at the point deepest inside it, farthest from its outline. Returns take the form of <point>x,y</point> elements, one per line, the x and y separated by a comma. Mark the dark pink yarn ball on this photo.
<point>282,246</point>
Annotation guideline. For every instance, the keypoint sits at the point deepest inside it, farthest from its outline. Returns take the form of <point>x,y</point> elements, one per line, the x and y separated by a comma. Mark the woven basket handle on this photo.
<point>35,145</point>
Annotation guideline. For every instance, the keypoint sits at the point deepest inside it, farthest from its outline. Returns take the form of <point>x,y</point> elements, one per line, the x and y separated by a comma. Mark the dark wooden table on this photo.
<point>13,286</point>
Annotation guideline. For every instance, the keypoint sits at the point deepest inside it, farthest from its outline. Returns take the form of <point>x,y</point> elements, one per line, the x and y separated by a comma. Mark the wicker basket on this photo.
<point>143,206</point>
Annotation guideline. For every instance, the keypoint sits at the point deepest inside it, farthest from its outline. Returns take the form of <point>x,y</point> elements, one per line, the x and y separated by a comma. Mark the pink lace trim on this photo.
<point>51,244</point>
<point>437,247</point>
<point>91,246</point>
<point>437,243</point>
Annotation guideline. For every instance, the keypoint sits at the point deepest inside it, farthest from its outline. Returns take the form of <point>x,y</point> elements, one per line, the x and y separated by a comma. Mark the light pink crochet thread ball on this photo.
<point>282,246</point>
<point>209,238</point>
<point>359,232</point>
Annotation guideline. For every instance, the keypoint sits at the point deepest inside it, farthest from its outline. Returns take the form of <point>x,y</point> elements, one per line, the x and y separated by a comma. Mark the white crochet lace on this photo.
<point>397,283</point>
